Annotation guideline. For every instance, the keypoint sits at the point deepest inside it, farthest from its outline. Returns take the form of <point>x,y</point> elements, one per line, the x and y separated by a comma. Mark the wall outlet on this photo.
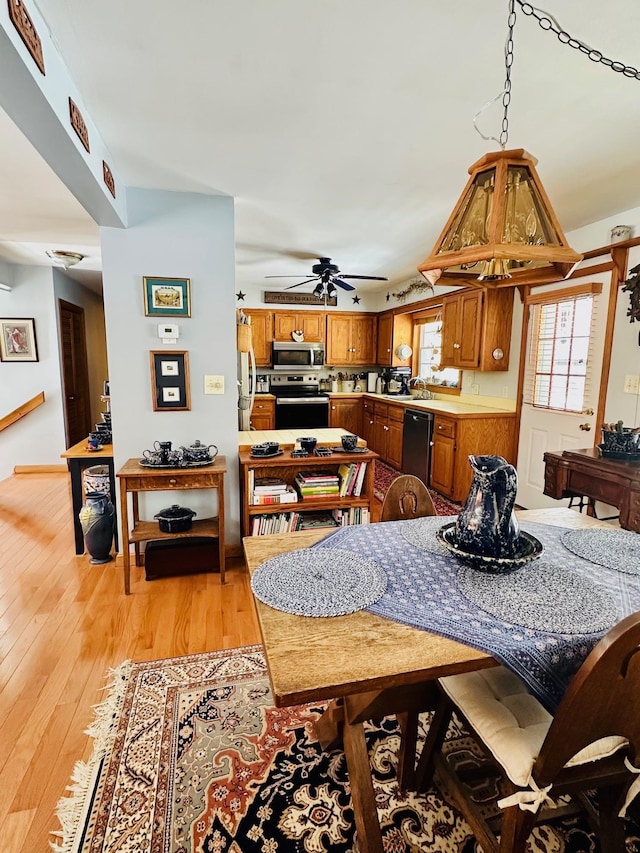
<point>632,383</point>
<point>214,384</point>
<point>475,388</point>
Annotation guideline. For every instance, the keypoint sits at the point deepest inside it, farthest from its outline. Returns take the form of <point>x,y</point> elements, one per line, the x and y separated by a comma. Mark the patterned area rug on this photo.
<point>385,475</point>
<point>192,757</point>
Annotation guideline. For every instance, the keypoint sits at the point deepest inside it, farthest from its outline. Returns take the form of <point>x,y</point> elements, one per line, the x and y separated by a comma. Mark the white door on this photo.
<point>569,421</point>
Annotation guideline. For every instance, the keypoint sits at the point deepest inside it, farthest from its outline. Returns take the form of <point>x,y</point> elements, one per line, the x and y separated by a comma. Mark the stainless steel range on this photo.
<point>299,403</point>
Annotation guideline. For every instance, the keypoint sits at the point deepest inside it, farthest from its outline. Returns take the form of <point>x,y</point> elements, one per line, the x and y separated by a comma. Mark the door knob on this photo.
<point>586,427</point>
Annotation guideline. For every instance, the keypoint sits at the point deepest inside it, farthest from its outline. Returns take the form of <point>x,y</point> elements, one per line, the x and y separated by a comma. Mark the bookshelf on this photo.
<point>353,508</point>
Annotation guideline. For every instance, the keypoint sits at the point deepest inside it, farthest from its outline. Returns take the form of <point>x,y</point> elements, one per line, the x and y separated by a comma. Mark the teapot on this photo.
<point>198,452</point>
<point>487,524</point>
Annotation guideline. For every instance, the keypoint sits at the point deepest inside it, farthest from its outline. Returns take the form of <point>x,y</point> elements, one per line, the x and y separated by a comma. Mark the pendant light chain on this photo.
<point>549,23</point>
<point>508,62</point>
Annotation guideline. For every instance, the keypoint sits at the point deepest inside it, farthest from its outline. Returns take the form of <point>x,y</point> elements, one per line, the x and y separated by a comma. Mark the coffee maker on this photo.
<point>398,382</point>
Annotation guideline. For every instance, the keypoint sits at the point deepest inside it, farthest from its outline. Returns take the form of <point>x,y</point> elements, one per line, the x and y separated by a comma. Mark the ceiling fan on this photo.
<point>327,276</point>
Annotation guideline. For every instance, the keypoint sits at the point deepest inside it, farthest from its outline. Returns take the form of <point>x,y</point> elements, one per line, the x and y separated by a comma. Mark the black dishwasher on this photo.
<point>416,443</point>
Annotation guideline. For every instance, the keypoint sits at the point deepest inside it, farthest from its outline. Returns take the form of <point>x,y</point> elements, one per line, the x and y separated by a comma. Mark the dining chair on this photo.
<point>592,742</point>
<point>407,497</point>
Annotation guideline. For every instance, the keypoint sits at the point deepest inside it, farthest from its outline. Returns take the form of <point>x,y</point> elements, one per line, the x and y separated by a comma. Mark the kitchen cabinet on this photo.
<point>393,330</point>
<point>263,414</point>
<point>346,413</point>
<point>134,478</point>
<point>476,329</point>
<point>351,339</point>
<point>388,423</point>
<point>310,323</point>
<point>367,421</point>
<point>455,438</point>
<point>261,334</point>
<point>443,450</point>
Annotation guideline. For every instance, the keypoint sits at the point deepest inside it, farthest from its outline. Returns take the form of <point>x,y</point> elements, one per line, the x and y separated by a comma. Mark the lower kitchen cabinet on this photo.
<point>455,438</point>
<point>388,423</point>
<point>346,413</point>
<point>367,421</point>
<point>263,414</point>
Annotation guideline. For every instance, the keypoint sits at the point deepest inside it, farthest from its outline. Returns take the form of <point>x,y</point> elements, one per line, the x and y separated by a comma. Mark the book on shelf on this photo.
<point>357,491</point>
<point>317,477</point>
<point>352,478</point>
<point>269,485</point>
<point>315,520</point>
<point>288,496</point>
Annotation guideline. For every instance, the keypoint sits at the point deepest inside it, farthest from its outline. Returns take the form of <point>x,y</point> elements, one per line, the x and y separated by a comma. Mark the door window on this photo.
<point>559,354</point>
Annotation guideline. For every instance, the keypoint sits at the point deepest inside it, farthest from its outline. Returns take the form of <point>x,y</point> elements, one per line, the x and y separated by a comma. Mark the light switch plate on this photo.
<point>213,384</point>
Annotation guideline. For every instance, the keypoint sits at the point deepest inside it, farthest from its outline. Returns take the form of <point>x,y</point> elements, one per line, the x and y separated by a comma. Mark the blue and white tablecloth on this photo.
<point>426,589</point>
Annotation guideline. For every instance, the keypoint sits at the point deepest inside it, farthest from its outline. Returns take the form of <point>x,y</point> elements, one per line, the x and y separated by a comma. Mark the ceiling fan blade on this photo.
<point>282,276</point>
<point>306,281</point>
<point>342,284</point>
<point>367,277</point>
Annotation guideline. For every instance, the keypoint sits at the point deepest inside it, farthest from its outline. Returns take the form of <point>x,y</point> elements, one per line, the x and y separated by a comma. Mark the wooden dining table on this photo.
<point>366,665</point>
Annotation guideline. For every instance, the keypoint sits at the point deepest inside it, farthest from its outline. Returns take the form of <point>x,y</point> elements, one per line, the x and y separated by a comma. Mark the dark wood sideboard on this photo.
<point>585,472</point>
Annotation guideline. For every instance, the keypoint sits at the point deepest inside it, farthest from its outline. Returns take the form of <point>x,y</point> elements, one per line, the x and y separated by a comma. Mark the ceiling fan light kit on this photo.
<point>328,277</point>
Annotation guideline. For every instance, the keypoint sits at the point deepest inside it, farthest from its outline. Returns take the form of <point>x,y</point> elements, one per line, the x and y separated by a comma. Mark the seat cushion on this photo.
<point>511,722</point>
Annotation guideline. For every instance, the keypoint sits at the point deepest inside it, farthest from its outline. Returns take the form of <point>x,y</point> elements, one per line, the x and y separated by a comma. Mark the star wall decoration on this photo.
<point>240,296</point>
<point>356,299</point>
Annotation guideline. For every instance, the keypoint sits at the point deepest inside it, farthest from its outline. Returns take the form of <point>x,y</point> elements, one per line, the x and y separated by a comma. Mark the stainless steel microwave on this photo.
<point>288,355</point>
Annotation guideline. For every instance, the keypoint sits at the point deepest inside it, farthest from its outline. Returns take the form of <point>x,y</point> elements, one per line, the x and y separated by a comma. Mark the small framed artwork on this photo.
<point>18,339</point>
<point>167,297</point>
<point>170,381</point>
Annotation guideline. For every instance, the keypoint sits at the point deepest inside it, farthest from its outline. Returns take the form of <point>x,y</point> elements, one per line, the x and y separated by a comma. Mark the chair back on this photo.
<point>406,497</point>
<point>602,700</point>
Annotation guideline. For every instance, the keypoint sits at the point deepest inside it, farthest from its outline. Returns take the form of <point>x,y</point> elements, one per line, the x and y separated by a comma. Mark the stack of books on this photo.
<point>272,490</point>
<point>289,522</point>
<point>317,484</point>
<point>351,479</point>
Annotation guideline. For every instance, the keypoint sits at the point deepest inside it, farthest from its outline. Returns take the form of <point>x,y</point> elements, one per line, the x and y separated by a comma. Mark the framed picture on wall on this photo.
<point>170,381</point>
<point>167,297</point>
<point>18,339</point>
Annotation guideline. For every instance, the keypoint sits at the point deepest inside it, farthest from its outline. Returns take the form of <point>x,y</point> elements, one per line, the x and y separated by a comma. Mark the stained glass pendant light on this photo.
<point>503,229</point>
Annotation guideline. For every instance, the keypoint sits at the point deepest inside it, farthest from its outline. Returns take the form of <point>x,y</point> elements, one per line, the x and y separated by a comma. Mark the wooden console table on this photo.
<point>78,458</point>
<point>135,478</point>
<point>585,472</point>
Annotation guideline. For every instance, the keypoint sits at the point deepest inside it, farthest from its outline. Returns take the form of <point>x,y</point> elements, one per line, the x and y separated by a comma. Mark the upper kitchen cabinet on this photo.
<point>351,338</point>
<point>310,323</point>
<point>261,334</point>
<point>393,331</point>
<point>476,329</point>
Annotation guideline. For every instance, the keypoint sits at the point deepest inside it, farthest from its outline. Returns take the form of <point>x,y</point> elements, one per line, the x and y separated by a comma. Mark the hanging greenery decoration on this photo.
<point>417,285</point>
<point>632,286</point>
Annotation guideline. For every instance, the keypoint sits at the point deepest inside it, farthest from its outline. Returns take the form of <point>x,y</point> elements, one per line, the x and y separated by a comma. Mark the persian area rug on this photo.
<point>385,475</point>
<point>192,757</point>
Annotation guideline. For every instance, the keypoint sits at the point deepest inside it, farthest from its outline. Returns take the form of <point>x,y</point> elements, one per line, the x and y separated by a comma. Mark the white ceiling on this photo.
<point>341,127</point>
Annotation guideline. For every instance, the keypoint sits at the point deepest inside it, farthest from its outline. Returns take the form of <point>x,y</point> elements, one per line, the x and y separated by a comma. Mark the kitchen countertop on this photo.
<point>450,406</point>
<point>446,406</point>
<point>287,437</point>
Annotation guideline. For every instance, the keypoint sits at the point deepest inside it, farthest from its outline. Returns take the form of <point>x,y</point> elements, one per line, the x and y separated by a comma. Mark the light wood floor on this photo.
<point>63,624</point>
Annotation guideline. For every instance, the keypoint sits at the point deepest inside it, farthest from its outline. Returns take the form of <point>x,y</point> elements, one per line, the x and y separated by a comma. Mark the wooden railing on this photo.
<point>21,411</point>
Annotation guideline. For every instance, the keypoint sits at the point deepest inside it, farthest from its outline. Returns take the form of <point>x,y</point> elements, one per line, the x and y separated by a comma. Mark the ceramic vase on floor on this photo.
<point>96,520</point>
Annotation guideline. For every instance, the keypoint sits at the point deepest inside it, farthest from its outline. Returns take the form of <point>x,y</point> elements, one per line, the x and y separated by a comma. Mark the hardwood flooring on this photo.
<point>63,624</point>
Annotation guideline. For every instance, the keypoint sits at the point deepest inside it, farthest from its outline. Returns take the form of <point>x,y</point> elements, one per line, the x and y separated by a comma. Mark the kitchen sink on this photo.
<point>398,396</point>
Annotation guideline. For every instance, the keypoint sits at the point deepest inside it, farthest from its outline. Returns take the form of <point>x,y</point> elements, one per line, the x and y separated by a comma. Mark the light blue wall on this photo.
<point>39,438</point>
<point>173,235</point>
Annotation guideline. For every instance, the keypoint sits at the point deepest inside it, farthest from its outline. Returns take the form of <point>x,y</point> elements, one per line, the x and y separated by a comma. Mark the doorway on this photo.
<point>75,374</point>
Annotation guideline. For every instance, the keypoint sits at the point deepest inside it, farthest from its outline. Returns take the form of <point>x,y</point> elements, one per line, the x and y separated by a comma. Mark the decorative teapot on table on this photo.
<point>487,524</point>
<point>198,452</point>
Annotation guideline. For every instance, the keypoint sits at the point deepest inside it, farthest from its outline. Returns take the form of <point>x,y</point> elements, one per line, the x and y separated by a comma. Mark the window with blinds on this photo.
<point>559,349</point>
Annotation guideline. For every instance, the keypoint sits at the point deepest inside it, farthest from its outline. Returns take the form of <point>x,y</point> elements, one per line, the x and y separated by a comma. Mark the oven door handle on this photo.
<point>313,401</point>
